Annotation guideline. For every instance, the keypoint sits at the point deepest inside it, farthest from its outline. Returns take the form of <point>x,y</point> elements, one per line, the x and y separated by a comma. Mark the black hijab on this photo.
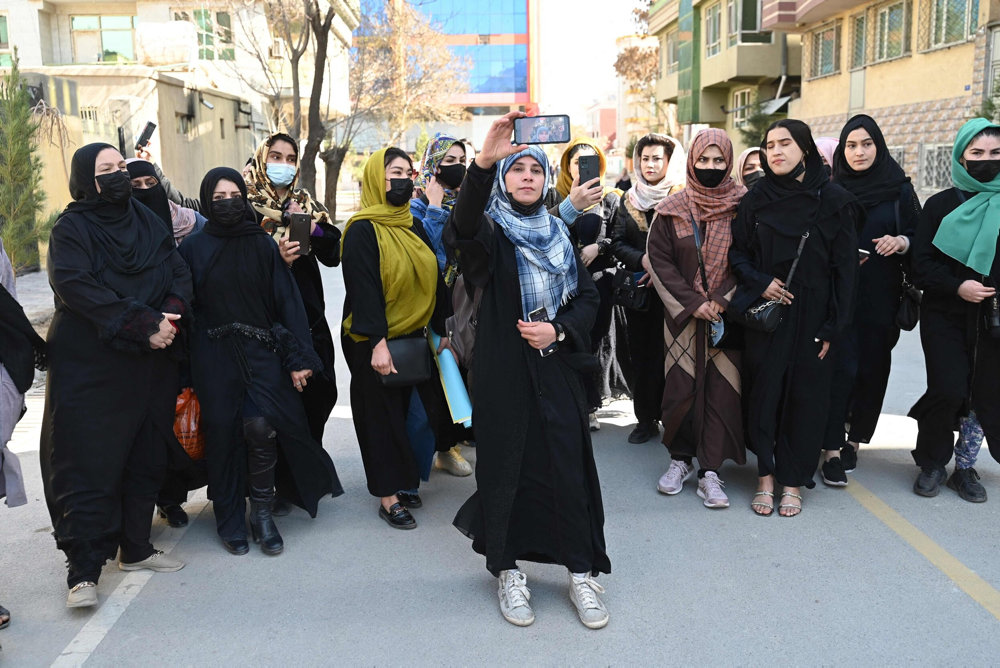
<point>789,206</point>
<point>130,238</point>
<point>248,225</point>
<point>881,182</point>
<point>155,198</point>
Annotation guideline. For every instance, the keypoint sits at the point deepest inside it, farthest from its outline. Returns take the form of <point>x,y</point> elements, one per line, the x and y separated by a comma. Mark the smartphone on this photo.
<point>299,229</point>
<point>862,253</point>
<point>539,315</point>
<point>541,129</point>
<point>590,168</point>
<point>147,133</point>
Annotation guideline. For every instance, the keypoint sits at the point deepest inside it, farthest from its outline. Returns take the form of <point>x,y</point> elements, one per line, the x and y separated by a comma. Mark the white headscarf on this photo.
<point>645,196</point>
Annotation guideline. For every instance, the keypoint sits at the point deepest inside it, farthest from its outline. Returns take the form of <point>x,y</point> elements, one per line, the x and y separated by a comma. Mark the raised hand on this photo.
<point>496,146</point>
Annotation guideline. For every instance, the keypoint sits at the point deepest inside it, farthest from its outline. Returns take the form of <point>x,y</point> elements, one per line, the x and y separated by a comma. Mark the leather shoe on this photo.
<point>928,483</point>
<point>237,546</point>
<point>280,507</point>
<point>643,432</point>
<point>174,514</point>
<point>397,516</point>
<point>409,499</point>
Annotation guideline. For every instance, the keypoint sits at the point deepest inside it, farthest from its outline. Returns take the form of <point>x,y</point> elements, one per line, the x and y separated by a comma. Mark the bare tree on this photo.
<point>319,24</point>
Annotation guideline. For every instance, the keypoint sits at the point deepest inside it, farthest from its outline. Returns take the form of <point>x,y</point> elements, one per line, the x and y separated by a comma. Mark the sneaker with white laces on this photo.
<point>710,489</point>
<point>159,561</point>
<point>583,592</point>
<point>83,595</point>
<point>672,481</point>
<point>453,462</point>
<point>514,595</point>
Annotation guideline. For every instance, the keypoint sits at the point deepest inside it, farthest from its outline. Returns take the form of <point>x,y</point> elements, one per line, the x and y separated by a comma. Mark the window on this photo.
<point>495,68</point>
<point>184,123</point>
<point>859,41</point>
<point>88,114</point>
<point>935,166</point>
<point>749,19</point>
<point>952,21</point>
<point>5,54</point>
<point>892,31</point>
<point>732,22</point>
<point>713,30</point>
<point>824,55</point>
<point>99,39</point>
<point>741,107</point>
<point>671,54</point>
<point>898,154</point>
<point>215,33</point>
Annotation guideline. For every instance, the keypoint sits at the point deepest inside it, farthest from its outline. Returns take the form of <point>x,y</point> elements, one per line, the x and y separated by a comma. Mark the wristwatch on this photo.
<point>560,332</point>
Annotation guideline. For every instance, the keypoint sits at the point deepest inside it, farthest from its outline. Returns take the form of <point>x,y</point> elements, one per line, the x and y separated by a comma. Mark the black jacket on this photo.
<point>628,242</point>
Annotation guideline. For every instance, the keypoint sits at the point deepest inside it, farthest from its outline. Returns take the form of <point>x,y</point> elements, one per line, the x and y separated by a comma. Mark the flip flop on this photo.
<point>4,612</point>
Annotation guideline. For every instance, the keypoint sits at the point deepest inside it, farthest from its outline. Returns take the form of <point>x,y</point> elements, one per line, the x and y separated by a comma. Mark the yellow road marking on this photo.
<point>977,588</point>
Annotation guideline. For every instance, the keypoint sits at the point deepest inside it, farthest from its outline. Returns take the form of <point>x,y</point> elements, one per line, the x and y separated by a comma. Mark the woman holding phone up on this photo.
<point>538,496</point>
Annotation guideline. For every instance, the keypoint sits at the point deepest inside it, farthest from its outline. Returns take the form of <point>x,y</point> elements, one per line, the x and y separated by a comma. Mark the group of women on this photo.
<point>155,292</point>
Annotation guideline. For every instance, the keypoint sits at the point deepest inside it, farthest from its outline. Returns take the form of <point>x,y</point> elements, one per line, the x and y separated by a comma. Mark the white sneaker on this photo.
<point>583,593</point>
<point>514,595</point>
<point>594,424</point>
<point>710,489</point>
<point>453,462</point>
<point>159,561</point>
<point>83,595</point>
<point>672,481</point>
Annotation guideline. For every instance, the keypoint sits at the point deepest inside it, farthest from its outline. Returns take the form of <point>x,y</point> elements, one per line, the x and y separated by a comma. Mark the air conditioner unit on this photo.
<point>277,49</point>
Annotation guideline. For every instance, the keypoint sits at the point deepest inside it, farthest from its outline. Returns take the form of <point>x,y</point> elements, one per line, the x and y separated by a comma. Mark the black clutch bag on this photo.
<point>908,312</point>
<point>411,355</point>
<point>628,293</point>
<point>764,315</point>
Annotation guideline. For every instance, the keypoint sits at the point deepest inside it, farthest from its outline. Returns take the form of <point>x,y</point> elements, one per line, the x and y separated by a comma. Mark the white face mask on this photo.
<point>281,175</point>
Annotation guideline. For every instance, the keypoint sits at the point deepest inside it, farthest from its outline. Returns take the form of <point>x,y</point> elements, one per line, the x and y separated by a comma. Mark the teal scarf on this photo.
<point>969,233</point>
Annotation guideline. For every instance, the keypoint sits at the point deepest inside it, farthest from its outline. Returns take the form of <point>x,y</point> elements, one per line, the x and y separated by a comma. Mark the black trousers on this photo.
<point>602,325</point>
<point>844,356</point>
<point>963,369</point>
<point>647,347</point>
<point>874,346</point>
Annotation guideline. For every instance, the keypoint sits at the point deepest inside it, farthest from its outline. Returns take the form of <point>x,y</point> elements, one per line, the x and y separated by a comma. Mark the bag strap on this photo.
<point>697,246</point>
<point>798,256</point>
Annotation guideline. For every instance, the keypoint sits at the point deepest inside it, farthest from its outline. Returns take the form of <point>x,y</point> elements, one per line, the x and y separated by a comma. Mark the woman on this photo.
<point>863,166</point>
<point>250,355</point>
<point>591,232</point>
<point>441,175</point>
<point>538,496</point>
<point>955,263</point>
<point>393,290</point>
<point>827,147</point>
<point>748,170</point>
<point>659,164</point>
<point>272,193</point>
<point>702,414</point>
<point>120,292</point>
<point>793,212</point>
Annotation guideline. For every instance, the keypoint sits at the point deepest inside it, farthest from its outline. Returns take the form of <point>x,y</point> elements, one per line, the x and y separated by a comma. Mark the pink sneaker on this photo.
<point>710,489</point>
<point>672,481</point>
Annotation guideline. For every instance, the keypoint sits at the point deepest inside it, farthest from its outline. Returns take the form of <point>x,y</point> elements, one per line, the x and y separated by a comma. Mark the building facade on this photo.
<point>921,68</point>
<point>718,61</point>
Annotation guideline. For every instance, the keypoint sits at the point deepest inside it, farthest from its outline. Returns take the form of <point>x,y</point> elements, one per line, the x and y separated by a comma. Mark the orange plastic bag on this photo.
<point>187,421</point>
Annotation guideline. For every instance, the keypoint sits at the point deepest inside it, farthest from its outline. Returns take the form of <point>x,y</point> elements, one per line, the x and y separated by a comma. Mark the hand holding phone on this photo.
<point>539,315</point>
<point>147,134</point>
<point>299,229</point>
<point>541,129</point>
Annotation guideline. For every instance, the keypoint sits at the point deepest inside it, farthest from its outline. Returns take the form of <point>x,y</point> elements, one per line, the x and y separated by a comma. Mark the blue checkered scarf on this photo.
<point>546,261</point>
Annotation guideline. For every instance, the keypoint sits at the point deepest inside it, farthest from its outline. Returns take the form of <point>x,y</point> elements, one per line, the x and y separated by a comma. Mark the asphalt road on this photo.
<point>870,574</point>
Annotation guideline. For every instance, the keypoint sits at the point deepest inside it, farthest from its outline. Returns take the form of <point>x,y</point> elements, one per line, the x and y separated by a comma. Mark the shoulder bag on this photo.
<point>908,311</point>
<point>411,355</point>
<point>764,315</point>
<point>627,291</point>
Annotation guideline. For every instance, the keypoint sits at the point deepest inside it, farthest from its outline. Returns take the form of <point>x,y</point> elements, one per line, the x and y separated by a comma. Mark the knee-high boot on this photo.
<point>262,458</point>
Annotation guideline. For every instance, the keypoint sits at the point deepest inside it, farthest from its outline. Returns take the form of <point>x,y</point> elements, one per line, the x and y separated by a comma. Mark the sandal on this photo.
<point>795,506</point>
<point>763,505</point>
<point>4,612</point>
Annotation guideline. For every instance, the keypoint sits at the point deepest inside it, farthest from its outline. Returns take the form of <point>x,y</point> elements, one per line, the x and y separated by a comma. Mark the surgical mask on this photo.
<point>228,212</point>
<point>451,175</point>
<point>983,171</point>
<point>400,191</point>
<point>752,178</point>
<point>116,187</point>
<point>710,178</point>
<point>281,175</point>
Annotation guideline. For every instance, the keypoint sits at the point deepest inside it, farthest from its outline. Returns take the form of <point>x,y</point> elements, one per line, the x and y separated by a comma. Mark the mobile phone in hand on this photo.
<point>300,229</point>
<point>541,129</point>
<point>539,315</point>
<point>590,168</point>
<point>147,134</point>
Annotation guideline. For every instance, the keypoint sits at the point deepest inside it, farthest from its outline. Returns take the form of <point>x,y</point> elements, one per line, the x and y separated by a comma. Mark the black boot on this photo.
<point>262,458</point>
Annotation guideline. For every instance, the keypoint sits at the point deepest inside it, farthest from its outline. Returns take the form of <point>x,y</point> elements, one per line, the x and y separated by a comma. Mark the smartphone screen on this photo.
<point>590,168</point>
<point>539,315</point>
<point>147,133</point>
<point>863,253</point>
<point>541,129</point>
<point>299,229</point>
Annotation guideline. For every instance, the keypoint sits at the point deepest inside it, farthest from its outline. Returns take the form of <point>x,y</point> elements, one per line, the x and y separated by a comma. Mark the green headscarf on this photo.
<point>969,233</point>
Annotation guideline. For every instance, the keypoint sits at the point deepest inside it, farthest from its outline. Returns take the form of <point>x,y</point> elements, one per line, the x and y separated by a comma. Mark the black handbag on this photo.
<point>732,334</point>
<point>411,355</point>
<point>627,292</point>
<point>908,312</point>
<point>764,315</point>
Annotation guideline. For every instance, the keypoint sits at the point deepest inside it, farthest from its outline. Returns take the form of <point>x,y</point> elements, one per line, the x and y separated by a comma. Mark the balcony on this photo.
<point>791,15</point>
<point>750,63</point>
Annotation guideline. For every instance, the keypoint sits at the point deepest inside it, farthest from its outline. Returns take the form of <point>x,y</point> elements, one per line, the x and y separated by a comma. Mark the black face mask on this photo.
<point>228,212</point>
<point>752,178</point>
<point>798,171</point>
<point>983,171</point>
<point>400,191</point>
<point>116,187</point>
<point>451,175</point>
<point>710,178</point>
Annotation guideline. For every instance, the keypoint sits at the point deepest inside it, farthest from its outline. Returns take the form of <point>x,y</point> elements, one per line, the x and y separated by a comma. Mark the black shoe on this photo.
<point>966,483</point>
<point>280,507</point>
<point>236,546</point>
<point>175,515</point>
<point>409,500</point>
<point>929,481</point>
<point>643,432</point>
<point>397,516</point>
<point>262,528</point>
<point>833,473</point>
<point>849,458</point>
